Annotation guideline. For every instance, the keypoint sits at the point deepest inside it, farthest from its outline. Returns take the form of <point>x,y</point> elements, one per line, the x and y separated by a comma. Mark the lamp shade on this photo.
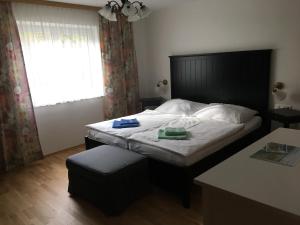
<point>134,18</point>
<point>144,12</point>
<point>128,9</point>
<point>279,95</point>
<point>277,91</point>
<point>112,17</point>
<point>105,11</point>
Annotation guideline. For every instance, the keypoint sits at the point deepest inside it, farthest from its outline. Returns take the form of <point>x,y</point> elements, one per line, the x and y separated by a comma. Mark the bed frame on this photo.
<point>241,78</point>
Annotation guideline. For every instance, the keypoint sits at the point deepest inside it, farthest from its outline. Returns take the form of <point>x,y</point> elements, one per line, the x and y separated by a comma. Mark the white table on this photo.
<point>246,191</point>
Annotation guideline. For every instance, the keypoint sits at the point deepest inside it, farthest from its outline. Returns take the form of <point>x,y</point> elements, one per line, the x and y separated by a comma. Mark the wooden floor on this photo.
<point>37,195</point>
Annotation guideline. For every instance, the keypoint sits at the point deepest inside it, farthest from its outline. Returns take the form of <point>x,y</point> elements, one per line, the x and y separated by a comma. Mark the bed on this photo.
<point>240,78</point>
<point>149,119</point>
<point>207,137</point>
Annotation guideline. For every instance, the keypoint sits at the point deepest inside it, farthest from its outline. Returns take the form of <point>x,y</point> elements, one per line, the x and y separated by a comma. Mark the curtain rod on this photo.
<point>56,4</point>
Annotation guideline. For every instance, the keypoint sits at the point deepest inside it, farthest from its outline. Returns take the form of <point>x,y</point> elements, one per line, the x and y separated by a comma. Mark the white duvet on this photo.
<point>149,120</point>
<point>202,135</point>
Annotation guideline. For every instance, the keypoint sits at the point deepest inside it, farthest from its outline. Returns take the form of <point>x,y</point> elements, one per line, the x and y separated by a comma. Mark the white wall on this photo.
<point>62,126</point>
<point>221,25</point>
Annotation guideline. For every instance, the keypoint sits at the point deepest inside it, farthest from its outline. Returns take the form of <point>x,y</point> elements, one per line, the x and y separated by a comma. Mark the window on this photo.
<point>61,50</point>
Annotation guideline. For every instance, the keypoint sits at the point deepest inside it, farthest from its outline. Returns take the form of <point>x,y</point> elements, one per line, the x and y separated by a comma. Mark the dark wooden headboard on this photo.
<point>241,78</point>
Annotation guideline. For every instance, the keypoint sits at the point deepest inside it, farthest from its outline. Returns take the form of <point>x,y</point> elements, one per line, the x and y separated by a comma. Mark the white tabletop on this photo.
<point>265,182</point>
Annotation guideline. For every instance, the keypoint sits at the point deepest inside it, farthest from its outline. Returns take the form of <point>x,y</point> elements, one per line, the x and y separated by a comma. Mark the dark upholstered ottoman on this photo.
<point>108,176</point>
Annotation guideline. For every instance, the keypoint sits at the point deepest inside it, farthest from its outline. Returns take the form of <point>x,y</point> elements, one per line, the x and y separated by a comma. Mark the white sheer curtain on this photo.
<point>62,54</point>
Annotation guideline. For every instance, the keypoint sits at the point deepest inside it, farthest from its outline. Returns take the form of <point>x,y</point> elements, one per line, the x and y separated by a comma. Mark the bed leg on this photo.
<point>186,190</point>
<point>186,200</point>
<point>89,143</point>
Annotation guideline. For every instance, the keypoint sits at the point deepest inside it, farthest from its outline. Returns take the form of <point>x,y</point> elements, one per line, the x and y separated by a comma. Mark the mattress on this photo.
<point>107,138</point>
<point>149,120</point>
<point>188,152</point>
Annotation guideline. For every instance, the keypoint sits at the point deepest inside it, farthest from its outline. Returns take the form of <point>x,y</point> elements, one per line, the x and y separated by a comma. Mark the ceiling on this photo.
<point>154,4</point>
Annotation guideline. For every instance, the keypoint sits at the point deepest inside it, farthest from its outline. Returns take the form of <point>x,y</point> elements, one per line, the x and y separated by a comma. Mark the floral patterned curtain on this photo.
<point>19,142</point>
<point>119,68</point>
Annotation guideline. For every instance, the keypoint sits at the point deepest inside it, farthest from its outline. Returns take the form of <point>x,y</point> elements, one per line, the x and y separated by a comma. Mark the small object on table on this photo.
<point>276,148</point>
<point>151,103</point>
<point>279,153</point>
<point>286,116</point>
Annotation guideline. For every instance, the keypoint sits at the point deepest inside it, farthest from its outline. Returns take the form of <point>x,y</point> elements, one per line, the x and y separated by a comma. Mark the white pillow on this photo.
<point>226,113</point>
<point>180,107</point>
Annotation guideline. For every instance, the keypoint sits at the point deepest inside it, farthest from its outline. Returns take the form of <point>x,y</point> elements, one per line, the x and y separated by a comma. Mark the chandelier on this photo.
<point>134,11</point>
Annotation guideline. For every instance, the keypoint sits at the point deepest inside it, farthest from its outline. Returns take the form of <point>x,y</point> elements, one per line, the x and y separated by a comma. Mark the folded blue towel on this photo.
<point>118,124</point>
<point>129,121</point>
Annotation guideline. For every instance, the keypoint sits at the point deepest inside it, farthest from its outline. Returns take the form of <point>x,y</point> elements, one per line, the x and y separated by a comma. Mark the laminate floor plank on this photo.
<point>37,195</point>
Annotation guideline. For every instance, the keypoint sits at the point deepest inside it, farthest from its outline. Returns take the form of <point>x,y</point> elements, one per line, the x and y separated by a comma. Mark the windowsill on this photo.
<point>71,102</point>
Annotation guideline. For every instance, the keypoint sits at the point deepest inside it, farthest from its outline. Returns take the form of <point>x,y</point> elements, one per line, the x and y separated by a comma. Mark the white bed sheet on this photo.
<point>107,138</point>
<point>205,141</point>
<point>149,120</point>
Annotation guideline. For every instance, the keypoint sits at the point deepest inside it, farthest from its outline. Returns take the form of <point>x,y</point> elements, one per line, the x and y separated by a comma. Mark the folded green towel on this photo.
<point>162,135</point>
<point>175,131</point>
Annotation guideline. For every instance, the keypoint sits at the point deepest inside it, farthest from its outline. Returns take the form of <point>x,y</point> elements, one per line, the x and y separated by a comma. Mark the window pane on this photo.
<point>62,54</point>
